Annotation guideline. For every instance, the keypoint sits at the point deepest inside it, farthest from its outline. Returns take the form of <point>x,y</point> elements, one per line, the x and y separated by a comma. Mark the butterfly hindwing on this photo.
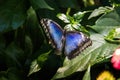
<point>75,42</point>
<point>54,33</point>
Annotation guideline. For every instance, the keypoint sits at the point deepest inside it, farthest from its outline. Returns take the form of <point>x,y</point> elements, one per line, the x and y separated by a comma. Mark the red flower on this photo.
<point>116,59</point>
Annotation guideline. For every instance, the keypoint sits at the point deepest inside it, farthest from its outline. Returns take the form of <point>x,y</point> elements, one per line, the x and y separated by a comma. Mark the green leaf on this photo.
<point>11,74</point>
<point>113,36</point>
<point>33,30</point>
<point>87,74</point>
<point>99,11</point>
<point>42,58</point>
<point>28,46</point>
<point>14,74</point>
<point>71,27</point>
<point>12,14</point>
<point>3,78</point>
<point>3,75</point>
<point>38,63</point>
<point>14,55</point>
<point>73,23</point>
<point>79,15</point>
<point>98,52</point>
<point>36,4</point>
<point>110,19</point>
<point>104,30</point>
<point>63,17</point>
<point>108,22</point>
<point>34,67</point>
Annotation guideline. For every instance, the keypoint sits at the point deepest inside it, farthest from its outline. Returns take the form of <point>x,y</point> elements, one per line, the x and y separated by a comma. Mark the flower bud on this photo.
<point>116,59</point>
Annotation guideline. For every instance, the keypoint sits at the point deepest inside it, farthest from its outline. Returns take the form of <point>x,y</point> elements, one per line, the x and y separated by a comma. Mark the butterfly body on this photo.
<point>70,42</point>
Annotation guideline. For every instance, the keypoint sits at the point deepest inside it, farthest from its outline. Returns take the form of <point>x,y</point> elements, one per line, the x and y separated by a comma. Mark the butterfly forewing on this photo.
<point>75,42</point>
<point>54,33</point>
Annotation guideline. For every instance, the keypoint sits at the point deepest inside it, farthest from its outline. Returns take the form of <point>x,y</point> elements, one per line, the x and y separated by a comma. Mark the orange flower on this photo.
<point>116,59</point>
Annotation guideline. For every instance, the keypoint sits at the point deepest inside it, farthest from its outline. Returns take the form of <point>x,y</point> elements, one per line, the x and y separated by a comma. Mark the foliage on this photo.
<point>25,53</point>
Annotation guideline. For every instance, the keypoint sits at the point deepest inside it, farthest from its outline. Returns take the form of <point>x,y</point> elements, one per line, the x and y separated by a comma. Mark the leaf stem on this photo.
<point>68,11</point>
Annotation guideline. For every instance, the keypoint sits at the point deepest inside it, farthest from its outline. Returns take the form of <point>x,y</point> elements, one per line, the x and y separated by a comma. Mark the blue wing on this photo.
<point>54,33</point>
<point>75,42</point>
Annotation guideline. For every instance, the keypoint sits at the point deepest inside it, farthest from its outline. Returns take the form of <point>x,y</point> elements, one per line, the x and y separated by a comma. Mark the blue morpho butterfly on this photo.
<point>70,42</point>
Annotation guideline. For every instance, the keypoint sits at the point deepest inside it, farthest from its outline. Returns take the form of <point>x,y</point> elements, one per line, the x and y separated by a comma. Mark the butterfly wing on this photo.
<point>54,33</point>
<point>75,42</point>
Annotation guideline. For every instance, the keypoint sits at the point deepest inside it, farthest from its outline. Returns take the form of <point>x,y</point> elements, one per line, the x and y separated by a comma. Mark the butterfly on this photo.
<point>71,43</point>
